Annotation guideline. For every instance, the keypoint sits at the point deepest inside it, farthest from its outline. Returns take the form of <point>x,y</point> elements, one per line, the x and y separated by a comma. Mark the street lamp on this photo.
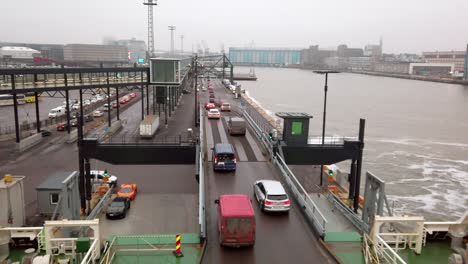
<point>326,72</point>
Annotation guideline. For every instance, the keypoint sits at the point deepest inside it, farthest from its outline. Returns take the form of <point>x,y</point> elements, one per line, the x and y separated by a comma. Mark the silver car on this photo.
<point>271,196</point>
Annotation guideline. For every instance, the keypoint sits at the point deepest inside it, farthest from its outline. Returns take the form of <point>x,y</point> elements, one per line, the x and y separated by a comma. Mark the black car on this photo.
<point>74,122</point>
<point>88,118</point>
<point>118,208</point>
<point>45,133</point>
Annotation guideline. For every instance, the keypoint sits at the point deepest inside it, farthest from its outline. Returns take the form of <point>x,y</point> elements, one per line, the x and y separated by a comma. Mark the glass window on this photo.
<point>296,128</point>
<point>54,198</point>
<point>277,197</point>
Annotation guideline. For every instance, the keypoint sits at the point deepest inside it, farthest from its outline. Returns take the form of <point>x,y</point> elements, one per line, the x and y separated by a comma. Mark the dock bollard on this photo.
<point>178,252</point>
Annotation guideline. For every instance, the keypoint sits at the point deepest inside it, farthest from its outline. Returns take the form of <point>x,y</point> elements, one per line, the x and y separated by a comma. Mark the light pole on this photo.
<point>172,28</point>
<point>326,72</point>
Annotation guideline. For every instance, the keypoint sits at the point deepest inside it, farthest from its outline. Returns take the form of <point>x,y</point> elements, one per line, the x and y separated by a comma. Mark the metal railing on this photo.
<point>348,213</point>
<point>93,253</point>
<point>329,140</point>
<point>201,184</point>
<point>183,138</point>
<point>302,197</point>
<point>100,205</point>
<point>386,252</point>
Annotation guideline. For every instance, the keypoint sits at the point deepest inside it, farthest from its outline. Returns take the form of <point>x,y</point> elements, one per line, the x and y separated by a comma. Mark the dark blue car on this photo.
<point>224,157</point>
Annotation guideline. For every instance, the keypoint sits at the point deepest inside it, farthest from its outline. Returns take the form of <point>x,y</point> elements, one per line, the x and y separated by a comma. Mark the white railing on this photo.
<point>303,198</point>
<point>201,185</point>
<point>92,254</point>
<point>386,252</point>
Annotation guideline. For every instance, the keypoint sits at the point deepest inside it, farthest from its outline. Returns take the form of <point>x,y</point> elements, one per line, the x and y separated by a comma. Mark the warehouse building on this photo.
<point>266,57</point>
<point>95,53</point>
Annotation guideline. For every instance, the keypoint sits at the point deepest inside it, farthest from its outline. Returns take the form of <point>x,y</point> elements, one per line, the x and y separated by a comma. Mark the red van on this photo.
<point>236,220</point>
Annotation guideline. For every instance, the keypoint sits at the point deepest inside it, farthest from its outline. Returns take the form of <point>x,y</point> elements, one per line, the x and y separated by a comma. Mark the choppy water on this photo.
<point>416,132</point>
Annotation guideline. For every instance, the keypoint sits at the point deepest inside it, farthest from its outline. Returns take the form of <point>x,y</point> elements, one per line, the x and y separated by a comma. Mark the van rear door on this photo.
<point>239,230</point>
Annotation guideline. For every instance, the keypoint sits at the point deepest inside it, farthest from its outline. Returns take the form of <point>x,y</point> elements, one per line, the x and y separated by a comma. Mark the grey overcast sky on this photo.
<point>405,25</point>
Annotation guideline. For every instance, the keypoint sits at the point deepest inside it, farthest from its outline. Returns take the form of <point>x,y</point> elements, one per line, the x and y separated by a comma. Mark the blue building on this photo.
<point>271,57</point>
<point>465,74</point>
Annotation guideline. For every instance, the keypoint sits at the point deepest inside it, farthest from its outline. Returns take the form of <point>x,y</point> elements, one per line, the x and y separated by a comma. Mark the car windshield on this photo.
<point>117,204</point>
<point>213,111</point>
<point>126,190</point>
<point>225,104</point>
<point>277,197</point>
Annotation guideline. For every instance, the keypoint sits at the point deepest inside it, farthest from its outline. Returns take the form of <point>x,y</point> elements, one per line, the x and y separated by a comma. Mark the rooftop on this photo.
<point>54,181</point>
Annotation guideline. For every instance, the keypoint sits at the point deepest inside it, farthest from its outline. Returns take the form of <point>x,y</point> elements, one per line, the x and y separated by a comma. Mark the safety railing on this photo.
<point>100,205</point>
<point>330,140</point>
<point>201,185</point>
<point>302,197</point>
<point>385,252</point>
<point>93,253</point>
<point>183,138</point>
<point>348,213</point>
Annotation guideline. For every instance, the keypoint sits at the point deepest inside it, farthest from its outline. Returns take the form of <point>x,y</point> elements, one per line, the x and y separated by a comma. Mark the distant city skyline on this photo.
<point>406,27</point>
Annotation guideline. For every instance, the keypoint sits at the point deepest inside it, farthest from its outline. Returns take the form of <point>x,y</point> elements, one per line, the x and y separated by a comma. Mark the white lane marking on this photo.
<point>222,132</point>
<point>240,149</point>
<point>255,148</point>
<point>209,139</point>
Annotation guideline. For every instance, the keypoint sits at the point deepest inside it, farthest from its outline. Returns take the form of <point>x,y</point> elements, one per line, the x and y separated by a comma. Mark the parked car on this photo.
<point>73,114</point>
<point>76,107</point>
<point>271,196</point>
<point>98,113</point>
<point>62,127</point>
<point>97,176</point>
<point>93,100</point>
<point>127,190</point>
<point>209,106</point>
<point>214,113</point>
<point>114,104</point>
<point>74,122</point>
<point>105,108</point>
<point>132,95</point>
<point>118,208</point>
<point>226,107</point>
<point>45,133</point>
<point>88,118</point>
<point>122,101</point>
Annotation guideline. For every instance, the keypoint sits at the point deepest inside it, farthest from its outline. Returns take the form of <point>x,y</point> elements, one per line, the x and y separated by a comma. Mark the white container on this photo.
<point>12,213</point>
<point>149,126</point>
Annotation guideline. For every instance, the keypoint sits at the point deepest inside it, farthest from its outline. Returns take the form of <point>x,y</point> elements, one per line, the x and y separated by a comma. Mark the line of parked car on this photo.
<point>74,122</point>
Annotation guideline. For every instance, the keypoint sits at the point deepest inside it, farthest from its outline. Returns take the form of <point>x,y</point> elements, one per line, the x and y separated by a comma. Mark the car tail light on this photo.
<point>266,202</point>
<point>216,160</point>
<point>235,159</point>
<point>287,202</point>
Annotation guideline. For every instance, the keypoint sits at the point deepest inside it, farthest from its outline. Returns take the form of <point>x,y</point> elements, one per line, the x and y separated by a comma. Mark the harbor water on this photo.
<point>416,136</point>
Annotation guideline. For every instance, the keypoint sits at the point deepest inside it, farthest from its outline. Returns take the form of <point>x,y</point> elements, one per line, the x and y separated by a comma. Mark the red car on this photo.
<point>209,106</point>
<point>127,190</point>
<point>123,100</point>
<point>132,95</point>
<point>62,127</point>
<point>114,104</point>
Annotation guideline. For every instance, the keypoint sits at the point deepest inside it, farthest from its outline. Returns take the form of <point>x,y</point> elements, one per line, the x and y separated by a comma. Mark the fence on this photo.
<point>302,197</point>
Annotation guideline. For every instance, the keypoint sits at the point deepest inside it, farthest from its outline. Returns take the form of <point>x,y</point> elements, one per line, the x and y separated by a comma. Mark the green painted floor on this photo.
<point>191,255</point>
<point>347,246</point>
<point>435,252</point>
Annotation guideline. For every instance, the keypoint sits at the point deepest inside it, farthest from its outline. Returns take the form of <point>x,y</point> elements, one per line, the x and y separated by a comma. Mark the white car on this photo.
<point>98,113</point>
<point>93,100</point>
<point>87,102</point>
<point>214,113</point>
<point>76,107</point>
<point>97,176</point>
<point>271,196</point>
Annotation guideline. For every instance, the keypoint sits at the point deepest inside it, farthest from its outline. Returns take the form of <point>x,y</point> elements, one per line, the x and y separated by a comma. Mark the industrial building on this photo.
<point>313,57</point>
<point>17,55</point>
<point>392,67</point>
<point>432,69</point>
<point>95,53</point>
<point>465,75</point>
<point>49,51</point>
<point>345,52</point>
<point>267,57</point>
<point>455,57</point>
<point>360,63</point>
